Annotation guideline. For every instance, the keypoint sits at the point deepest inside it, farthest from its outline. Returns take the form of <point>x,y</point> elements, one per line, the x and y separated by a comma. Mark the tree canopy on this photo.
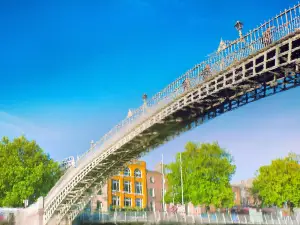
<point>26,172</point>
<point>279,182</point>
<point>207,170</point>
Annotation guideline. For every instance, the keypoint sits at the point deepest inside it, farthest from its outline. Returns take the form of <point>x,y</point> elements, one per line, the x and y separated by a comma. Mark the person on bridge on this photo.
<point>206,72</point>
<point>186,84</point>
<point>267,37</point>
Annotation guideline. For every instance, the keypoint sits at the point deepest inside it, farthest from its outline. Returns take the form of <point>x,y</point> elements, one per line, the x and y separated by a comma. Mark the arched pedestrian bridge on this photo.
<point>263,62</point>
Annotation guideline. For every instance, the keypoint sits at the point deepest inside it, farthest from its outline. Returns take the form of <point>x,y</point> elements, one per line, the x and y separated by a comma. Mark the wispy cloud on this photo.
<point>14,126</point>
<point>17,125</point>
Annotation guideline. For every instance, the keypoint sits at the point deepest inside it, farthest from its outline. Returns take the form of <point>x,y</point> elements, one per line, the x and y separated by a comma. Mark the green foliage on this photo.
<point>26,172</point>
<point>279,182</point>
<point>207,170</point>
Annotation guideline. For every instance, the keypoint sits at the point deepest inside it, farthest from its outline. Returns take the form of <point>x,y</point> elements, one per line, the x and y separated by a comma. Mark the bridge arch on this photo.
<point>247,70</point>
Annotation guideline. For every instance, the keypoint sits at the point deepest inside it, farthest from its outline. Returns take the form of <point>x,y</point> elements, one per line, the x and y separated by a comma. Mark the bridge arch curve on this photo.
<point>228,80</point>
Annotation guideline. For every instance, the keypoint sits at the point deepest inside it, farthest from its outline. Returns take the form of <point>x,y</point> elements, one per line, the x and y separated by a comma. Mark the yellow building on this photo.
<point>128,189</point>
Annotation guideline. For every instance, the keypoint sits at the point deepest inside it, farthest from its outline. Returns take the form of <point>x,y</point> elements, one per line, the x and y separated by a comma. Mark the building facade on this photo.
<point>128,189</point>
<point>246,198</point>
<point>99,202</point>
<point>135,187</point>
<point>155,190</point>
<point>237,194</point>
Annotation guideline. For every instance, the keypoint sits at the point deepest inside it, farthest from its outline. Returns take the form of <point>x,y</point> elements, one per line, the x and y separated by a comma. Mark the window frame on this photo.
<point>152,192</point>
<point>139,200</point>
<point>130,201</point>
<point>117,183</point>
<point>116,199</point>
<point>127,172</point>
<point>152,180</point>
<point>140,187</point>
<point>129,186</point>
<point>137,170</point>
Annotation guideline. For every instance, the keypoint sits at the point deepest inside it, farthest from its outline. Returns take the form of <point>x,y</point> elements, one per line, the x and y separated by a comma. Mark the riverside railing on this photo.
<point>182,218</point>
<point>280,26</point>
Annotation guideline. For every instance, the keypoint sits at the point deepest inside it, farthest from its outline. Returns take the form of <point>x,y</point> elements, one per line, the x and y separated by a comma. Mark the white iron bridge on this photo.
<point>263,62</point>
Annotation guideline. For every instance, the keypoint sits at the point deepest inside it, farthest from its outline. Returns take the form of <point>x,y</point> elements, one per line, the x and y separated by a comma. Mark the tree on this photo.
<point>207,170</point>
<point>279,182</point>
<point>26,172</point>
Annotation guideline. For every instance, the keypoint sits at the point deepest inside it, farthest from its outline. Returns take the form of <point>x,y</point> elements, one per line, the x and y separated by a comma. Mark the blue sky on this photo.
<point>70,70</point>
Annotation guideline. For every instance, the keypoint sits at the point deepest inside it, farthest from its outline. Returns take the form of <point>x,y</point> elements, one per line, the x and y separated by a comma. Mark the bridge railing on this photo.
<point>267,33</point>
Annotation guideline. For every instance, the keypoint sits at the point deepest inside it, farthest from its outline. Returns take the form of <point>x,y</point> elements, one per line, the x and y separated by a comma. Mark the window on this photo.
<point>127,186</point>
<point>115,185</point>
<point>127,172</point>
<point>115,200</point>
<point>99,204</point>
<point>152,206</point>
<point>138,187</point>
<point>151,192</point>
<point>138,202</point>
<point>152,180</point>
<point>137,173</point>
<point>127,201</point>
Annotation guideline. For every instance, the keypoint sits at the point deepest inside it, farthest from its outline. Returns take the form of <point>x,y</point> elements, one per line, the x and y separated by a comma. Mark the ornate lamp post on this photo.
<point>239,26</point>
<point>145,98</point>
<point>92,144</point>
<point>145,102</point>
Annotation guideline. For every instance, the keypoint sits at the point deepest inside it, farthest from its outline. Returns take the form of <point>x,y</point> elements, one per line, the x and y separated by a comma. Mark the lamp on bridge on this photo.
<point>145,98</point>
<point>92,144</point>
<point>239,26</point>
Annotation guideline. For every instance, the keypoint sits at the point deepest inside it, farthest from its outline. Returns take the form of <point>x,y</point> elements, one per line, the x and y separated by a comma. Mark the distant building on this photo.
<point>246,198</point>
<point>67,162</point>
<point>155,190</point>
<point>237,194</point>
<point>128,189</point>
<point>99,202</point>
<point>135,187</point>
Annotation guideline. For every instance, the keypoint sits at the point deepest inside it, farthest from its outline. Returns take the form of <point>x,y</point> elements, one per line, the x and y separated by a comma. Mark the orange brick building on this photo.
<point>128,189</point>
